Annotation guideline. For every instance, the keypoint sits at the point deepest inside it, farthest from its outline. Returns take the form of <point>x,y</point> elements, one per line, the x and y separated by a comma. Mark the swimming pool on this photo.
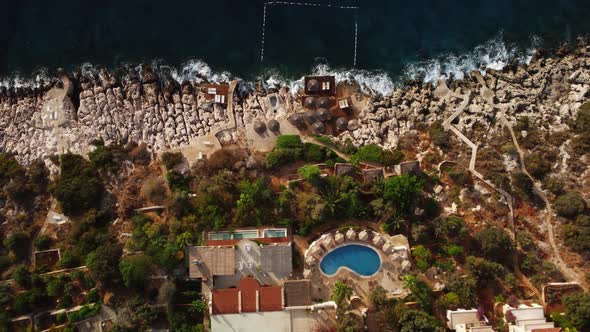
<point>236,235</point>
<point>361,259</point>
<point>278,232</point>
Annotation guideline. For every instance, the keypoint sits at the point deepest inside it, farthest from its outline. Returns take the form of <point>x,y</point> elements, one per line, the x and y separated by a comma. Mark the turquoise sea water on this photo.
<point>360,259</point>
<point>396,39</point>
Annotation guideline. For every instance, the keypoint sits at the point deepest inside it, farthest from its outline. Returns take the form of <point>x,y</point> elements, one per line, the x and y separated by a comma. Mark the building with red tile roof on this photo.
<point>248,296</point>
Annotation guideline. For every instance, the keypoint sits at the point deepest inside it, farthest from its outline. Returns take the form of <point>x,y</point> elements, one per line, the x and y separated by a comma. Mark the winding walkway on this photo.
<point>448,125</point>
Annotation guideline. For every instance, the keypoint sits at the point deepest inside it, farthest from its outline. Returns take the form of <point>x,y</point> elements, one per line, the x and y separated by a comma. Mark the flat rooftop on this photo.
<point>211,261</point>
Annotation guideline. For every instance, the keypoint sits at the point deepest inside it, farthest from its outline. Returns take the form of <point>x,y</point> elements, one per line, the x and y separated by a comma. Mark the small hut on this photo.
<point>273,125</point>
<point>363,235</point>
<point>351,234</point>
<point>323,102</point>
<point>339,237</point>
<point>296,120</point>
<point>318,128</point>
<point>342,123</point>
<point>259,127</point>
<point>323,114</point>
<point>309,102</point>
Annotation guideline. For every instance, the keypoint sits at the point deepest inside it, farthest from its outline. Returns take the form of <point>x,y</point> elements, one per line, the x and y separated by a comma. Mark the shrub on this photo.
<point>538,165</point>
<point>582,122</point>
<point>495,243</point>
<point>423,256</point>
<point>439,136</point>
<point>103,263</point>
<point>554,184</point>
<point>569,205</point>
<point>391,158</point>
<point>177,181</point>
<point>288,142</point>
<point>370,153</point>
<point>309,172</point>
<point>153,190</point>
<point>78,188</point>
<point>22,276</point>
<point>577,234</point>
<point>451,227</point>
<point>135,270</point>
<point>171,159</point>
<point>314,153</point>
<point>43,242</point>
<point>18,244</point>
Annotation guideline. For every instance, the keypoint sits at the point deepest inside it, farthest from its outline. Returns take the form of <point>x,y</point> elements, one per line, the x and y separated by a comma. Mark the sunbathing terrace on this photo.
<point>393,252</point>
<point>225,266</point>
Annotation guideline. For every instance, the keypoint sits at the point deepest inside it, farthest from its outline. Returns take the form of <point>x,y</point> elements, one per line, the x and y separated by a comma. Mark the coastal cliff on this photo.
<point>150,107</point>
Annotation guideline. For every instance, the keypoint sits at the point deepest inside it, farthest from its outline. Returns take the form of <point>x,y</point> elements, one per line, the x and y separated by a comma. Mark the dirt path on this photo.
<point>448,125</point>
<point>557,260</point>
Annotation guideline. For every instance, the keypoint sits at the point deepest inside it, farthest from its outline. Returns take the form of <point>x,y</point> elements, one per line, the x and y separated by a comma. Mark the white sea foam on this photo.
<point>37,80</point>
<point>199,71</point>
<point>493,54</point>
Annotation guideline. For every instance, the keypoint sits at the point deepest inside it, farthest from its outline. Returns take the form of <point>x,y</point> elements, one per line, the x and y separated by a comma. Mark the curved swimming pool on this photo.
<point>361,259</point>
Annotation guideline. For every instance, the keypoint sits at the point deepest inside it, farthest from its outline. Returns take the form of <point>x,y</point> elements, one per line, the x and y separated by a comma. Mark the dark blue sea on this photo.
<point>217,39</point>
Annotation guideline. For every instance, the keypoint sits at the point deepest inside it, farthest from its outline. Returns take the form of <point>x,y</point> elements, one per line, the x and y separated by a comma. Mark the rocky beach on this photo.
<point>147,107</point>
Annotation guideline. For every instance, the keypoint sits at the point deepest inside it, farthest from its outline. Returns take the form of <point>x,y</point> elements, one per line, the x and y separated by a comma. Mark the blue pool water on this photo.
<point>360,259</point>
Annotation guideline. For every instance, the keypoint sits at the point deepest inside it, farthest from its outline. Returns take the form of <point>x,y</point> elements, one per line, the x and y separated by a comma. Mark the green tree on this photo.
<point>569,205</point>
<point>495,243</point>
<point>400,193</point>
<point>256,202</point>
<point>419,321</point>
<point>341,293</point>
<point>420,290</point>
<point>423,256</point>
<point>464,286</point>
<point>198,306</point>
<point>43,242</point>
<point>309,173</point>
<point>451,227</point>
<point>577,310</point>
<point>78,189</point>
<point>484,270</point>
<point>19,245</point>
<point>171,159</point>
<point>135,270</point>
<point>22,276</point>
<point>103,263</point>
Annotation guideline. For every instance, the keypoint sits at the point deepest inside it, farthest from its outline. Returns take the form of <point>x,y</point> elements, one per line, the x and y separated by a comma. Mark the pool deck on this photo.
<point>388,276</point>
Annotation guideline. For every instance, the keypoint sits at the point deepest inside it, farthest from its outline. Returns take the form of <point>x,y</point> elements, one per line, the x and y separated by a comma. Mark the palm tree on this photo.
<point>342,292</point>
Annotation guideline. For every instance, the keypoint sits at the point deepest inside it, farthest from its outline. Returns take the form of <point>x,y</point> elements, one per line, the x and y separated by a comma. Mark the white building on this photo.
<point>527,318</point>
<point>466,320</point>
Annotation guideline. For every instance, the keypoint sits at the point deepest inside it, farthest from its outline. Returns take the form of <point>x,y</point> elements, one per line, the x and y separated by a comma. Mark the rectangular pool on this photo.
<point>280,232</point>
<point>236,235</point>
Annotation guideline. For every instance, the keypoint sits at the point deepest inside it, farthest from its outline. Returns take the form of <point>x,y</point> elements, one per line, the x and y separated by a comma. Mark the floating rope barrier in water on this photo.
<point>308,4</point>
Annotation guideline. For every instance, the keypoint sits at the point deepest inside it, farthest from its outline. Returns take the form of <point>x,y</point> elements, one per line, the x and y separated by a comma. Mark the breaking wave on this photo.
<point>493,54</point>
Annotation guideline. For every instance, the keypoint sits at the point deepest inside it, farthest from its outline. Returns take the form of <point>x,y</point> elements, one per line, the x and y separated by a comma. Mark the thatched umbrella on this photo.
<point>273,125</point>
<point>341,123</point>
<point>310,260</point>
<point>316,249</point>
<point>351,234</point>
<point>406,266</point>
<point>310,116</point>
<point>309,102</point>
<point>313,85</point>
<point>318,128</point>
<point>259,127</point>
<point>377,240</point>
<point>324,114</point>
<point>296,120</point>
<point>328,240</point>
<point>323,102</point>
<point>339,237</point>
<point>387,248</point>
<point>363,235</point>
<point>353,125</point>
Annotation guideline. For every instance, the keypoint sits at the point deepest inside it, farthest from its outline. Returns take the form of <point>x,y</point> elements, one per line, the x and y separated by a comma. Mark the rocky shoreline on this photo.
<point>152,108</point>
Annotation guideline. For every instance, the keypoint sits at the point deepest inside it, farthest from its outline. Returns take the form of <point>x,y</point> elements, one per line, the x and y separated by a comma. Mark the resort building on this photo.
<point>408,168</point>
<point>371,175</point>
<point>467,320</point>
<point>218,93</point>
<point>527,318</point>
